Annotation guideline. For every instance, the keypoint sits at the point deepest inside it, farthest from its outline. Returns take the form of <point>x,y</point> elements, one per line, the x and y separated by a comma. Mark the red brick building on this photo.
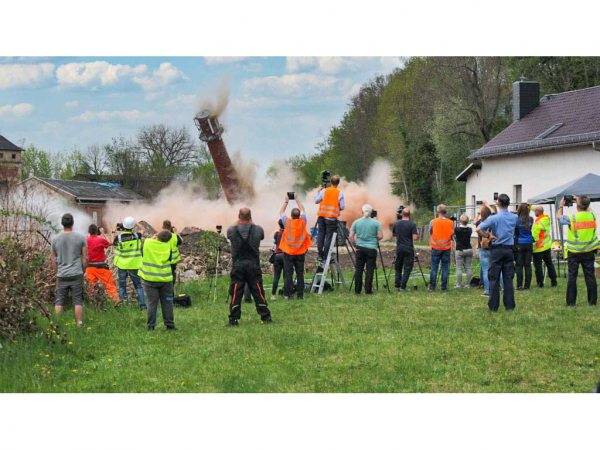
<point>10,163</point>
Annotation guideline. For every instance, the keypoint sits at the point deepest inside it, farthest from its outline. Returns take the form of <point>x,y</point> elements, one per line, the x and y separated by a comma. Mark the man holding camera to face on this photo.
<point>128,259</point>
<point>331,204</point>
<point>175,242</point>
<point>582,245</point>
<point>295,242</point>
<point>405,232</point>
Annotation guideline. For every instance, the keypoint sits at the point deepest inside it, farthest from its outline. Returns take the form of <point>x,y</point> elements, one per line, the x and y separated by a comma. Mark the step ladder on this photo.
<point>321,277</point>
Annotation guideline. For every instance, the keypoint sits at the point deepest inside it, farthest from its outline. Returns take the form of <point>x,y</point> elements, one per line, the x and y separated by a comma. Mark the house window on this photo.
<point>517,193</point>
<point>14,156</point>
<point>1,155</point>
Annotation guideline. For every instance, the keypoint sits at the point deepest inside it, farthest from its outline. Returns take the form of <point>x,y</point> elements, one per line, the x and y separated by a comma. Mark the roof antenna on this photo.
<point>522,78</point>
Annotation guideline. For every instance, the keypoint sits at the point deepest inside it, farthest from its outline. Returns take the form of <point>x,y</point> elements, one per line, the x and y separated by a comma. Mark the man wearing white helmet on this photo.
<point>128,259</point>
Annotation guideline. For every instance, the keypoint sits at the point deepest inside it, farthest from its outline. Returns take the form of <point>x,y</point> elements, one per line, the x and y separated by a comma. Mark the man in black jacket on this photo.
<point>406,233</point>
<point>245,239</point>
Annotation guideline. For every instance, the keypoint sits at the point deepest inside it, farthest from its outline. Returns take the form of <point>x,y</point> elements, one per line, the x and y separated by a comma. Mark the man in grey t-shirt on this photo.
<point>69,258</point>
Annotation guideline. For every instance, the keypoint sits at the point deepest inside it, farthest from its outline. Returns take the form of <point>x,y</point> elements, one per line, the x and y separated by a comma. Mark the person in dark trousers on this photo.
<point>582,245</point>
<point>441,230</point>
<point>365,234</point>
<point>157,278</point>
<point>464,251</point>
<point>406,233</point>
<point>245,239</point>
<point>278,262</point>
<point>524,247</point>
<point>295,243</point>
<point>331,204</point>
<point>500,230</point>
<point>542,247</point>
<point>176,241</point>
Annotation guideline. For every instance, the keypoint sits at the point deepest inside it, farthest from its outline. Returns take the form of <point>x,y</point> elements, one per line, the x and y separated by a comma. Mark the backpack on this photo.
<point>182,301</point>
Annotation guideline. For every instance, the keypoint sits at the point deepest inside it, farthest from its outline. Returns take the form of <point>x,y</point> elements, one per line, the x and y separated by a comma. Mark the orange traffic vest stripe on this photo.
<point>441,235</point>
<point>295,240</point>
<point>540,242</point>
<point>330,205</point>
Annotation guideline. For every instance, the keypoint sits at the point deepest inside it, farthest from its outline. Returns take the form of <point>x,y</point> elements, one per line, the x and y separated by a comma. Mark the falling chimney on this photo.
<point>526,97</point>
<point>210,132</point>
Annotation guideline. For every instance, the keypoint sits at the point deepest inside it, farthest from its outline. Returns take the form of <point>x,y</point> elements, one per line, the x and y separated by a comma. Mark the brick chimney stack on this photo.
<point>526,97</point>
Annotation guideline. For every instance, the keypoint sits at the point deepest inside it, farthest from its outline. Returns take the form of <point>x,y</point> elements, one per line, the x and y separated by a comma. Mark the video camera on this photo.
<point>399,212</point>
<point>120,227</point>
<point>373,214</point>
<point>326,178</point>
<point>219,228</point>
<point>568,201</point>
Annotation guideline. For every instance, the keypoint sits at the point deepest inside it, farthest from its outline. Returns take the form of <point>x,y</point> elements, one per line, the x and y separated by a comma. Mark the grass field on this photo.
<point>407,342</point>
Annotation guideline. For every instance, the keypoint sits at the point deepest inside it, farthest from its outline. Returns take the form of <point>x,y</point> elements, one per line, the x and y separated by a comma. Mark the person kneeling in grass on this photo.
<point>157,278</point>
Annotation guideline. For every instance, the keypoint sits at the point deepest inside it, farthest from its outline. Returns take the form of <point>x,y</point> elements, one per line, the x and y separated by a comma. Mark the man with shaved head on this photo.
<point>245,239</point>
<point>441,230</point>
<point>542,247</point>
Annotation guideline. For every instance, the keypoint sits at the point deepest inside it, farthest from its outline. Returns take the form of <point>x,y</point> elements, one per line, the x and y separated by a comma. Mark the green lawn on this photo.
<point>412,342</point>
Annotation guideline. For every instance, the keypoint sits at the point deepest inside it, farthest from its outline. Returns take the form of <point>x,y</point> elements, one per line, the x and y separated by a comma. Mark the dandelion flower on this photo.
<point>87,372</point>
<point>183,383</point>
<point>89,328</point>
<point>596,358</point>
<point>70,343</point>
<point>114,384</point>
<point>109,360</point>
<point>247,359</point>
<point>48,372</point>
<point>74,370</point>
<point>91,318</point>
<point>47,356</point>
<point>282,358</point>
<point>53,331</point>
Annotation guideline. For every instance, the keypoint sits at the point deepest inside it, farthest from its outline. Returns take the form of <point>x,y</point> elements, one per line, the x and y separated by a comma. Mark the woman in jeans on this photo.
<point>484,253</point>
<point>278,264</point>
<point>464,251</point>
<point>524,246</point>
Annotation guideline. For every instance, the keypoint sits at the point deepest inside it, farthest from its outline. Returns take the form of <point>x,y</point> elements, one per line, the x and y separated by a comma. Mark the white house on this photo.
<point>550,142</point>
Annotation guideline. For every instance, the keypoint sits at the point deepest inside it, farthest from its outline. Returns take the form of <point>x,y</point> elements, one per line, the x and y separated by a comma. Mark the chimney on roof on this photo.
<point>526,97</point>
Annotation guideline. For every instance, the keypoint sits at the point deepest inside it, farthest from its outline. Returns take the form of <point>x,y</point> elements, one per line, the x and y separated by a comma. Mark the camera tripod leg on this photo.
<point>387,282</point>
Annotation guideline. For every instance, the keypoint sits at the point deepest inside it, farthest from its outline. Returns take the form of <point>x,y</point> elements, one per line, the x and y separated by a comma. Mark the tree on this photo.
<point>167,150</point>
<point>125,161</point>
<point>95,157</point>
<point>36,162</point>
<point>205,172</point>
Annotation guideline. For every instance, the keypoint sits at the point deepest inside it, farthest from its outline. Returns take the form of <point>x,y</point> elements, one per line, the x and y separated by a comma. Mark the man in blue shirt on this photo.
<point>500,229</point>
<point>365,234</point>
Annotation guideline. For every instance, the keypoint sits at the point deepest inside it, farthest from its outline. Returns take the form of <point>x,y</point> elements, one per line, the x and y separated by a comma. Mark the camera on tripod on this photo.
<point>373,214</point>
<point>219,228</point>
<point>325,178</point>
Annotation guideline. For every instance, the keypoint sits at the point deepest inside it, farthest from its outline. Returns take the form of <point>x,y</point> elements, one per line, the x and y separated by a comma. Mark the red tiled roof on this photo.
<point>577,111</point>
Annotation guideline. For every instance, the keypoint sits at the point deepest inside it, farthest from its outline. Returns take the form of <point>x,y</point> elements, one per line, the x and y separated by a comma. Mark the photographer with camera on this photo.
<point>295,242</point>
<point>441,230</point>
<point>277,259</point>
<point>175,242</point>
<point>245,239</point>
<point>128,259</point>
<point>365,234</point>
<point>97,269</point>
<point>542,247</point>
<point>331,203</point>
<point>406,233</point>
<point>464,251</point>
<point>582,245</point>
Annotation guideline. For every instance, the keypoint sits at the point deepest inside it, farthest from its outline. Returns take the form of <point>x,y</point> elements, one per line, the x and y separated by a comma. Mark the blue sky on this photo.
<point>278,106</point>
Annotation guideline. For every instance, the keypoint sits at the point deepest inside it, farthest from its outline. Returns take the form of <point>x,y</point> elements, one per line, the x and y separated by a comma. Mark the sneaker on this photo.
<point>404,290</point>
<point>287,298</point>
<point>172,328</point>
<point>267,320</point>
<point>79,324</point>
<point>540,285</point>
<point>430,290</point>
<point>553,284</point>
<point>465,286</point>
<point>485,294</point>
<point>458,286</point>
<point>232,323</point>
<point>273,297</point>
<point>143,308</point>
<point>150,328</point>
<point>444,289</point>
<point>519,288</point>
<point>300,298</point>
<point>398,289</point>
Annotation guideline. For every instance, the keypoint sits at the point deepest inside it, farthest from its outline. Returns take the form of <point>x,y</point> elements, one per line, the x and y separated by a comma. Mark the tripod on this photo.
<point>385,275</point>
<point>415,260</point>
<point>218,251</point>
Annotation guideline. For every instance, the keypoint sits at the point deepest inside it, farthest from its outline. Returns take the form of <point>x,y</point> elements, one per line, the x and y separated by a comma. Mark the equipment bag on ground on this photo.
<point>182,300</point>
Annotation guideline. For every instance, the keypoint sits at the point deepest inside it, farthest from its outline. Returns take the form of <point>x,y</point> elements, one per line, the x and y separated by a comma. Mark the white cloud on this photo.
<point>166,74</point>
<point>72,104</point>
<point>107,116</point>
<point>24,75</point>
<point>301,85</point>
<point>96,73</point>
<point>326,64</point>
<point>252,67</point>
<point>212,60</point>
<point>389,63</point>
<point>182,100</point>
<point>19,110</point>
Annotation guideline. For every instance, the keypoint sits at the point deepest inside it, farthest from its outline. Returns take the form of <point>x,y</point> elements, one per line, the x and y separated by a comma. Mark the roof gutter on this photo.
<point>532,150</point>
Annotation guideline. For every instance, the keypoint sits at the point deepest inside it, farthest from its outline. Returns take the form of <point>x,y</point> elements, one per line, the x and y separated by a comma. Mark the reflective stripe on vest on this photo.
<point>128,254</point>
<point>544,241</point>
<point>156,262</point>
<point>441,235</point>
<point>330,205</point>
<point>582,236</point>
<point>175,256</point>
<point>295,240</point>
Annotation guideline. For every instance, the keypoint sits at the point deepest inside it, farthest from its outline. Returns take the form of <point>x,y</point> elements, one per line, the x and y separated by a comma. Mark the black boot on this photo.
<point>232,323</point>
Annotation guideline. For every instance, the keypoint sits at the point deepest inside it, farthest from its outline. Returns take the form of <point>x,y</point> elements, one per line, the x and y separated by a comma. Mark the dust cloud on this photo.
<point>184,204</point>
<point>217,105</point>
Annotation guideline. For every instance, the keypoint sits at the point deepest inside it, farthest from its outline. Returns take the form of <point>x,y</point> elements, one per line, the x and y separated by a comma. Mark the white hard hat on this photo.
<point>129,223</point>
